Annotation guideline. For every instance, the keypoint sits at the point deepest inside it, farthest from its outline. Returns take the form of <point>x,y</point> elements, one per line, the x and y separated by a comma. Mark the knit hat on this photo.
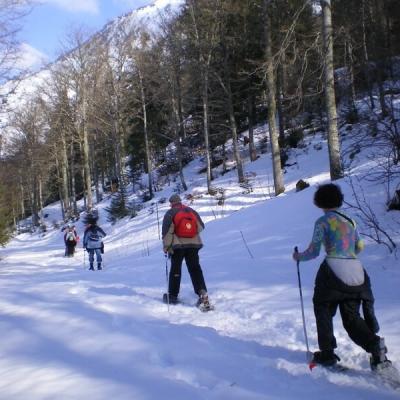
<point>175,198</point>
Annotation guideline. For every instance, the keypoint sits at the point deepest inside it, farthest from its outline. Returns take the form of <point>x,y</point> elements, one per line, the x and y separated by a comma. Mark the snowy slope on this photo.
<point>18,94</point>
<point>71,334</point>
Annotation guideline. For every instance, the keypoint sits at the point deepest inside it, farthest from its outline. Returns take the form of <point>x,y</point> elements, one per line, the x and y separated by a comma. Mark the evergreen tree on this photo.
<point>118,208</point>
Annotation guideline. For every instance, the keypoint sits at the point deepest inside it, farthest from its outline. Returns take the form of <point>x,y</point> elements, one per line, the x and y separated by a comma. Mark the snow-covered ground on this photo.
<point>72,334</point>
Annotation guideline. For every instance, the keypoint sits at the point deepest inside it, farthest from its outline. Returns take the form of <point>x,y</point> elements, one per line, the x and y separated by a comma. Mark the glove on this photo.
<point>168,251</point>
<point>296,255</point>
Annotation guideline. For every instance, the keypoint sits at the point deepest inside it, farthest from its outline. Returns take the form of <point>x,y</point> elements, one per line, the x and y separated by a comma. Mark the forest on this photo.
<point>137,100</point>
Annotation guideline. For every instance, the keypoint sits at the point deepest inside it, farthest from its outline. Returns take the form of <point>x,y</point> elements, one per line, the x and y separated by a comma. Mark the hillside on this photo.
<point>32,84</point>
<point>74,334</point>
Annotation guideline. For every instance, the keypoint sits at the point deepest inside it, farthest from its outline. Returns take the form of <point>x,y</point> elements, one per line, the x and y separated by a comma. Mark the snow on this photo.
<point>69,333</point>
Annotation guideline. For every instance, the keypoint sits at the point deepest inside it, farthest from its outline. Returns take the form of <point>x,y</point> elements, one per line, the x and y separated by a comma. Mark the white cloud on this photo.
<point>30,58</point>
<point>89,6</point>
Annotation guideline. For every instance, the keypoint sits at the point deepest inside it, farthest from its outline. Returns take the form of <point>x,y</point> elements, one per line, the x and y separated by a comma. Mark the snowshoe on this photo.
<point>386,372</point>
<point>325,358</point>
<point>170,299</point>
<point>203,303</point>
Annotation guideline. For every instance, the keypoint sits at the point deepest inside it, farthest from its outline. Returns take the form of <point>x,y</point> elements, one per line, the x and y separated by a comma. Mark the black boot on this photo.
<point>171,299</point>
<point>326,358</point>
<point>91,267</point>
<point>378,360</point>
<point>99,266</point>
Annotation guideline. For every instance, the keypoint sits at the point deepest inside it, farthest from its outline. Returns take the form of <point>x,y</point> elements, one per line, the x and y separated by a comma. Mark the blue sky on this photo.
<point>46,26</point>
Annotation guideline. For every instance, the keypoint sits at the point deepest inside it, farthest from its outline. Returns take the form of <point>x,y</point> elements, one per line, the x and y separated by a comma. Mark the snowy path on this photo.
<point>72,334</point>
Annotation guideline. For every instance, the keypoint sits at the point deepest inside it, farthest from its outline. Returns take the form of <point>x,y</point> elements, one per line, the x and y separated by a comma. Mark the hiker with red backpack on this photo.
<point>181,241</point>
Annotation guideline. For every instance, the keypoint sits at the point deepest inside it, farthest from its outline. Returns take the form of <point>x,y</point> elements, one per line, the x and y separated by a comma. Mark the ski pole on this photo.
<point>84,258</point>
<point>309,355</point>
<point>167,278</point>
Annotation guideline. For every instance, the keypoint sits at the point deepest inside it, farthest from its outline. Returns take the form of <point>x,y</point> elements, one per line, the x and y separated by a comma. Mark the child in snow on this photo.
<point>341,282</point>
<point>71,239</point>
<point>93,242</point>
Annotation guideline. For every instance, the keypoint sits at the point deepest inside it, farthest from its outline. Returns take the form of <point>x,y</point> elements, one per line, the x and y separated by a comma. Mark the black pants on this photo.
<point>70,249</point>
<point>191,257</point>
<point>331,293</point>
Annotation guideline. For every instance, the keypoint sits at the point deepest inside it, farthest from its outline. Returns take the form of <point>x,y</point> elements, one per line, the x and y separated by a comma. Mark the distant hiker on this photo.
<point>181,240</point>
<point>93,242</point>
<point>341,282</point>
<point>71,239</point>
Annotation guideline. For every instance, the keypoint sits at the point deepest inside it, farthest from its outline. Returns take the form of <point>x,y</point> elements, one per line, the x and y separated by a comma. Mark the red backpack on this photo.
<point>185,222</point>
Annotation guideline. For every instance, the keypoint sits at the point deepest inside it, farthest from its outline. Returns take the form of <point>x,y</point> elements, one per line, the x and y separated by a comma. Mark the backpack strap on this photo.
<point>345,217</point>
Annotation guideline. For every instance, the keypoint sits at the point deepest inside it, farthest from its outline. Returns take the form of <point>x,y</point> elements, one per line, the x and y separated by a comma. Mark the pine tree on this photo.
<point>118,208</point>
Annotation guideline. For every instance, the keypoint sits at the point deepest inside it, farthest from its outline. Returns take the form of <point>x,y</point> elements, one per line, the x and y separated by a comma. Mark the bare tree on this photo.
<point>82,65</point>
<point>11,15</point>
<point>61,136</point>
<point>204,29</point>
<point>271,85</point>
<point>336,169</point>
<point>140,43</point>
<point>29,146</point>
<point>171,59</point>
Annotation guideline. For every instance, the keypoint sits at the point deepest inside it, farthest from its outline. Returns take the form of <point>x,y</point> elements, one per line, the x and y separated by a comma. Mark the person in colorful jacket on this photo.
<point>183,248</point>
<point>341,282</point>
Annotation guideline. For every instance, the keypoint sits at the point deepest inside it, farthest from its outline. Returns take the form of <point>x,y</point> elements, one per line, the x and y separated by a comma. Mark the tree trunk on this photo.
<point>146,137</point>
<point>273,132</point>
<point>232,121</point>
<point>60,189</point>
<point>182,129</point>
<point>40,201</point>
<point>336,170</point>
<point>352,94</point>
<point>95,172</point>
<point>22,204</point>
<point>366,57</point>
<point>86,159</point>
<point>252,147</point>
<point>72,171</point>
<point>34,200</point>
<point>280,94</point>
<point>64,179</point>
<point>381,53</point>
<point>117,150</point>
<point>206,131</point>
<point>178,140</point>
